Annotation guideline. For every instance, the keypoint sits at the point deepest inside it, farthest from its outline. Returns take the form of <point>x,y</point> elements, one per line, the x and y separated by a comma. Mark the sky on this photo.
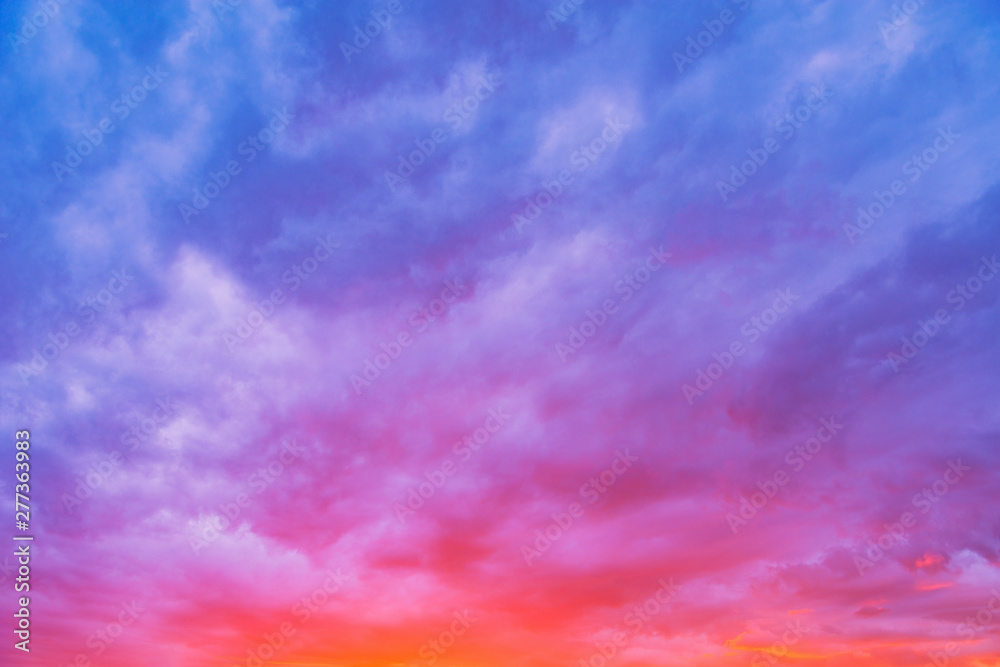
<point>512,332</point>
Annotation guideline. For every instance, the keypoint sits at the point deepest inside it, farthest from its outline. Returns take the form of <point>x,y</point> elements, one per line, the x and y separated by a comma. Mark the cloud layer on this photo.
<point>504,333</point>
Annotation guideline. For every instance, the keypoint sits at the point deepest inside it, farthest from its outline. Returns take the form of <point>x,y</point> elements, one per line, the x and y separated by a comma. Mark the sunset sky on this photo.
<point>505,333</point>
